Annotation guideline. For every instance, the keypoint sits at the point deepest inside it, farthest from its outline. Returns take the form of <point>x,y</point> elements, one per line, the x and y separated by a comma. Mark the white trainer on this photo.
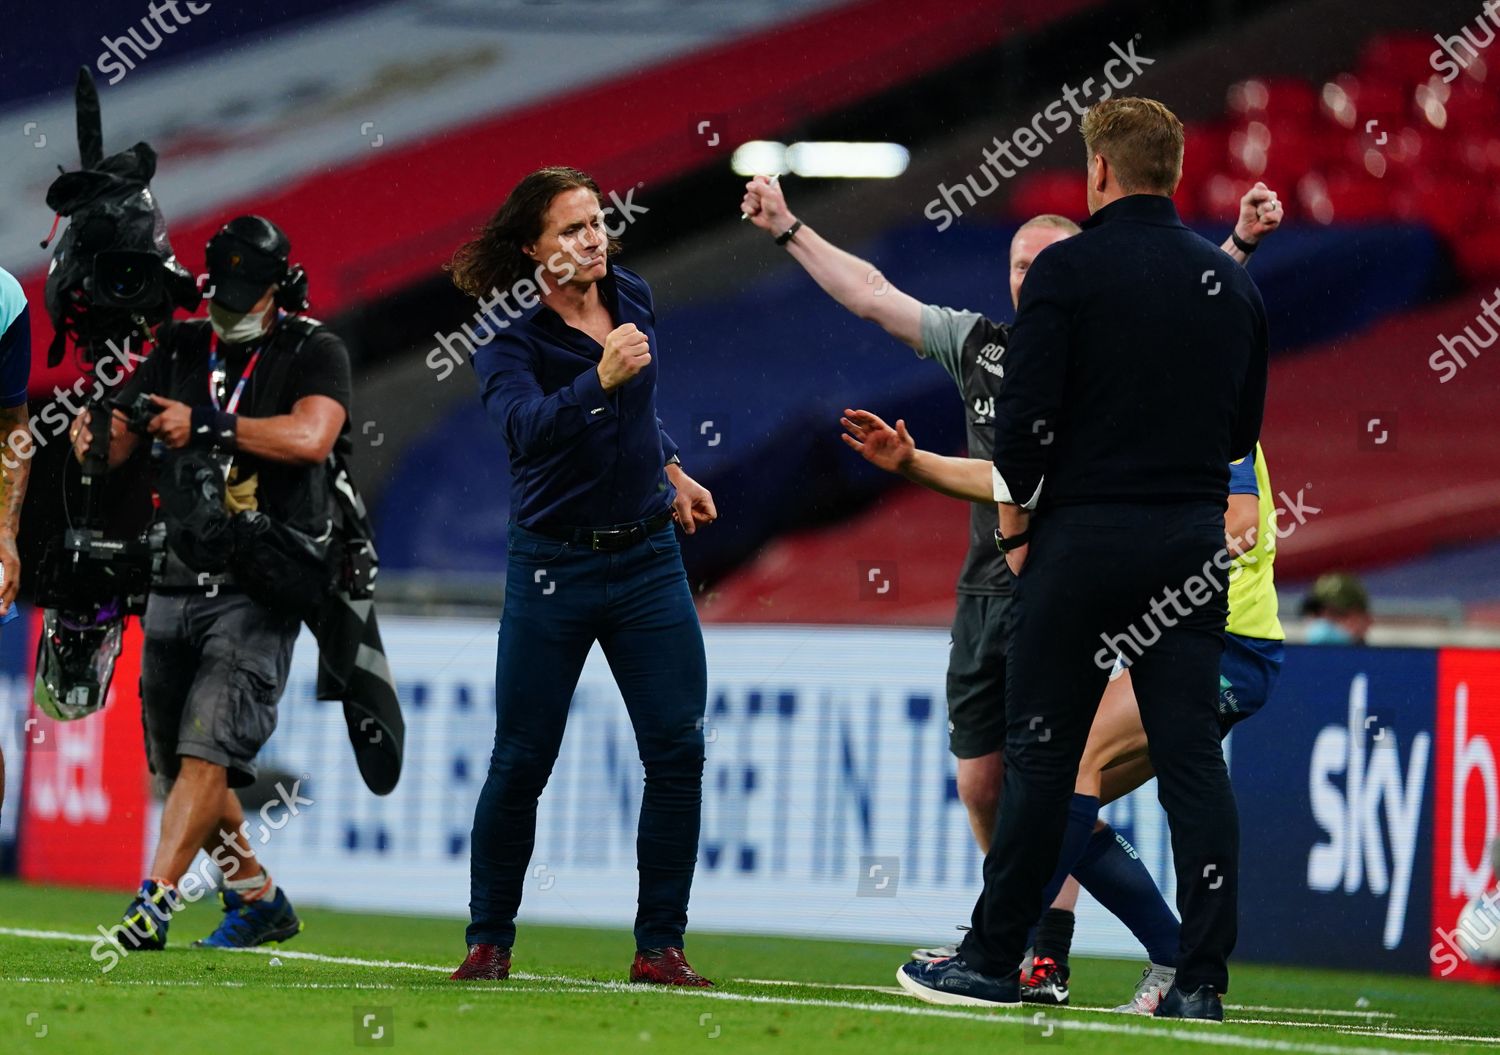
<point>1154,983</point>
<point>936,952</point>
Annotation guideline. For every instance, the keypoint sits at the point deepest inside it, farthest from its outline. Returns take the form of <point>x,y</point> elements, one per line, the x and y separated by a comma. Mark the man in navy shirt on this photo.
<point>569,376</point>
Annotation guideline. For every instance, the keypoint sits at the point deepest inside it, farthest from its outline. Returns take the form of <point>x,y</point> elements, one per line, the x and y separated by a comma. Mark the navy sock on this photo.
<point>1112,872</point>
<point>1054,935</point>
<point>1083,811</point>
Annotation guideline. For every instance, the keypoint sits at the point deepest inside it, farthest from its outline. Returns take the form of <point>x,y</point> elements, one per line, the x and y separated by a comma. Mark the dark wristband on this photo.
<point>214,428</point>
<point>786,236</point>
<point>1006,544</point>
<point>1243,246</point>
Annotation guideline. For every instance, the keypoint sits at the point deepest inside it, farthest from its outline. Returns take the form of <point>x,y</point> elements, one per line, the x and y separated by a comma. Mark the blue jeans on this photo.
<point>559,599</point>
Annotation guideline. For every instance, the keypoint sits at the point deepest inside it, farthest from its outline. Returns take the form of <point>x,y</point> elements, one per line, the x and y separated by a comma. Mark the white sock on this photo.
<point>254,888</point>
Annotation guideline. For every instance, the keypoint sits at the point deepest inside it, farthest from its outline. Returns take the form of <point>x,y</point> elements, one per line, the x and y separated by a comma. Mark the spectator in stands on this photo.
<point>1338,610</point>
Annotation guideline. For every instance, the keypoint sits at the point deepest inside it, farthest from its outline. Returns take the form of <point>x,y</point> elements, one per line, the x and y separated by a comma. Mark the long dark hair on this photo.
<point>492,259</point>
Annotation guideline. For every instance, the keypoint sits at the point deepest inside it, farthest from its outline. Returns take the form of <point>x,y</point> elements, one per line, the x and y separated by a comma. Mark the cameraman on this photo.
<point>243,409</point>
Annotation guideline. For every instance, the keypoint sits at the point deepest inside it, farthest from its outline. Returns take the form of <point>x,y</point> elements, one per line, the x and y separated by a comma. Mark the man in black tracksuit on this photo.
<point>1136,373</point>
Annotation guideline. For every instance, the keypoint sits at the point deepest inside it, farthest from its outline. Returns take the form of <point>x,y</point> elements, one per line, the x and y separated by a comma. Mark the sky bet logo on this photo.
<point>1353,855</point>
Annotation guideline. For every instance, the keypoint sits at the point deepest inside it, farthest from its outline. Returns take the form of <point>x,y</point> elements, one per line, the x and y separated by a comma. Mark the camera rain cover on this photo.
<point>114,263</point>
<point>74,664</point>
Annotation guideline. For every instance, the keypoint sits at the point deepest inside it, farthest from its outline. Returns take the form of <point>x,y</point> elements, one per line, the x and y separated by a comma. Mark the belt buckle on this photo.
<point>610,535</point>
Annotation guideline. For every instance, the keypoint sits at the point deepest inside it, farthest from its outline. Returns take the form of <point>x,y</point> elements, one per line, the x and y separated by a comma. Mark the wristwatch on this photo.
<point>1005,545</point>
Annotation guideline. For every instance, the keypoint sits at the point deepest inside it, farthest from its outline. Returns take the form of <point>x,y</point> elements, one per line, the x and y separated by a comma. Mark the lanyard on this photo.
<point>216,377</point>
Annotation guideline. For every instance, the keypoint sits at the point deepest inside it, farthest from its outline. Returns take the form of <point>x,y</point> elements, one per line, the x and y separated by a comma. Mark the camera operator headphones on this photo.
<point>248,254</point>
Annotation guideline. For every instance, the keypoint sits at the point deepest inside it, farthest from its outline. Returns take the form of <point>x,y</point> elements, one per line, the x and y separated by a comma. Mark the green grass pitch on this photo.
<point>317,993</point>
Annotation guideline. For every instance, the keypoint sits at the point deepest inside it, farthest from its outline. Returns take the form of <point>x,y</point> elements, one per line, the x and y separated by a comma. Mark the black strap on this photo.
<point>626,533</point>
<point>1006,543</point>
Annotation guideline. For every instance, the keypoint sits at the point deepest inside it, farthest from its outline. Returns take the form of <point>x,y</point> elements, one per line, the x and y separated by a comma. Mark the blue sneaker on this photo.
<point>247,924</point>
<point>952,981</point>
<point>144,925</point>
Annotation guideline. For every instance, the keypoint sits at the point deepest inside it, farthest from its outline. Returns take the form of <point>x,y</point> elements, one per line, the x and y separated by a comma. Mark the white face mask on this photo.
<point>234,327</point>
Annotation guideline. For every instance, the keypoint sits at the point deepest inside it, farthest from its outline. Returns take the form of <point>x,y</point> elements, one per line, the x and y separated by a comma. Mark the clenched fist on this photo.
<point>626,353</point>
<point>1260,213</point>
<point>764,205</point>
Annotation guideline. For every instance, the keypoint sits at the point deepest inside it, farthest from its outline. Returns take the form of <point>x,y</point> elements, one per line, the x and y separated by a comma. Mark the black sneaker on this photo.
<point>144,926</point>
<point>1045,983</point>
<point>1202,1004</point>
<point>952,981</point>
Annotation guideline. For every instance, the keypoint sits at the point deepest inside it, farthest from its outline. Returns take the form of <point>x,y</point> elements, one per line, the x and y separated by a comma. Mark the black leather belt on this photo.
<point>610,539</point>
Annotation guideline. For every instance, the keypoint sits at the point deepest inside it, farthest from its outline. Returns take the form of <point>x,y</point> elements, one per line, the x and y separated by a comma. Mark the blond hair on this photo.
<point>1142,141</point>
<point>1051,219</point>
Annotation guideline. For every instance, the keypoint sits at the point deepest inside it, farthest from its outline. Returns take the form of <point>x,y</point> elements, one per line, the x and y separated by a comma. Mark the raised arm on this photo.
<point>856,284</point>
<point>895,451</point>
<point>1260,214</point>
<point>15,426</point>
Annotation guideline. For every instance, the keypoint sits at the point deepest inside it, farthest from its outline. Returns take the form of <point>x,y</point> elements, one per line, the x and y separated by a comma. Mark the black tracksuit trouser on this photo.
<point>1148,581</point>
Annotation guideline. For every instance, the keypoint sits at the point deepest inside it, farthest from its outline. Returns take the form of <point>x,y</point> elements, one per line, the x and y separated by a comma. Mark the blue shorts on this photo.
<point>1247,676</point>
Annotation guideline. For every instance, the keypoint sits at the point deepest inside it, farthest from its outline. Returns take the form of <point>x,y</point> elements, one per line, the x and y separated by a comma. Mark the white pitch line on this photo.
<point>1212,1036</point>
<point>192,983</point>
<point>1382,1031</point>
<point>895,989</point>
<point>1365,1029</point>
<point>1309,1011</point>
<point>47,935</point>
<point>587,987</point>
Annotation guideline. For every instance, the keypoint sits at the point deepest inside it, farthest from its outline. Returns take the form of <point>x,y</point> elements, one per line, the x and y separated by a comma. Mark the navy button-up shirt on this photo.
<point>579,456</point>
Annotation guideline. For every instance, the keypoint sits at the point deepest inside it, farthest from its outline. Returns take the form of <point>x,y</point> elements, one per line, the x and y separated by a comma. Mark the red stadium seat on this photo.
<point>1469,105</point>
<point>1447,203</point>
<point>1357,196</point>
<point>1059,191</point>
<point>1221,195</point>
<point>1273,96</point>
<point>1398,58</point>
<point>1390,142</point>
<point>1477,153</point>
<point>1477,248</point>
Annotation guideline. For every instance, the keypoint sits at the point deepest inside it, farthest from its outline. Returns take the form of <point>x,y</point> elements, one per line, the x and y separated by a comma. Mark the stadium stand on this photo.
<point>767,75</point>
<point>1421,489</point>
<point>1392,138</point>
<point>754,342</point>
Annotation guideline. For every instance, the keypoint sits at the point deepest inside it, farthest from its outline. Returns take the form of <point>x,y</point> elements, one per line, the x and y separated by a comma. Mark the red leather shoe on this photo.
<point>485,963</point>
<point>666,967</point>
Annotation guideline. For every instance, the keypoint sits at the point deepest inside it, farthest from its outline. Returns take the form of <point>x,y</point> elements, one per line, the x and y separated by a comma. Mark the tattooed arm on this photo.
<point>14,471</point>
